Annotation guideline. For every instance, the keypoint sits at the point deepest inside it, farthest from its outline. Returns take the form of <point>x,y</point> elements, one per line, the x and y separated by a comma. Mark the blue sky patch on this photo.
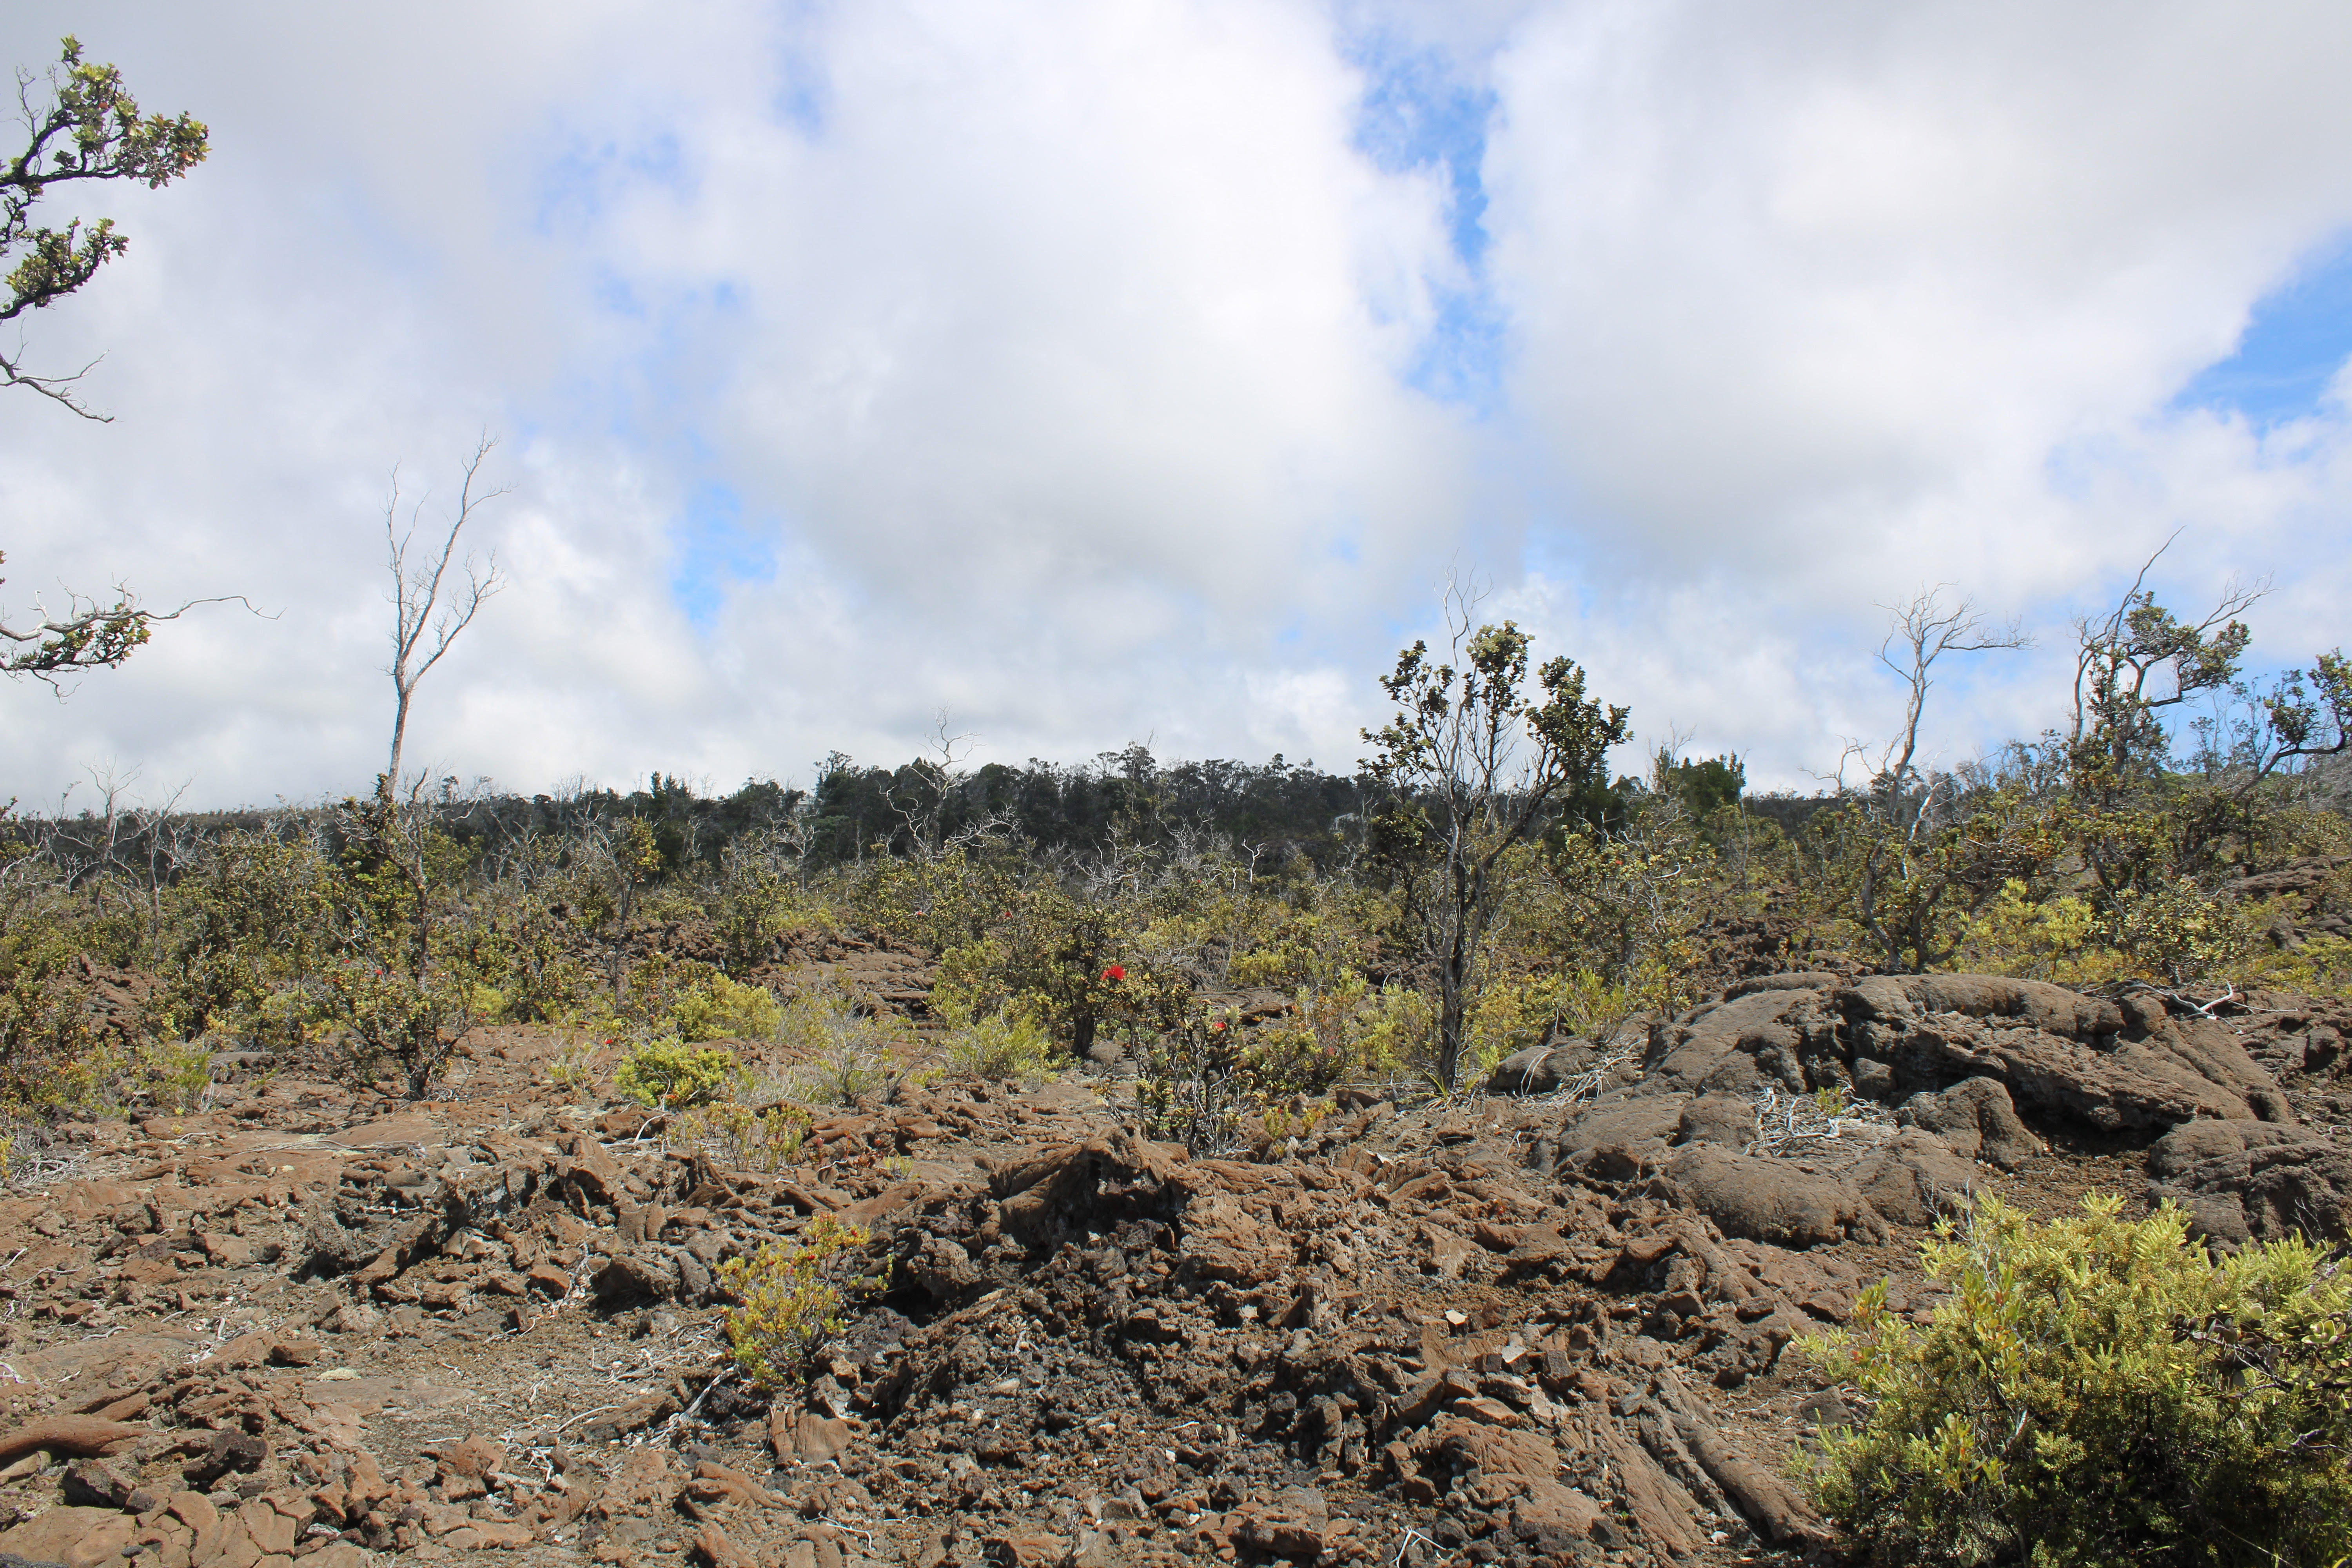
<point>1461,361</point>
<point>1419,112</point>
<point>806,93</point>
<point>2297,338</point>
<point>1415,113</point>
<point>715,552</point>
<point>576,184</point>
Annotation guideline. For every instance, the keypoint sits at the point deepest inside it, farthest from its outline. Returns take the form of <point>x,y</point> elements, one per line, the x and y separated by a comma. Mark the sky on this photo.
<point>1066,376</point>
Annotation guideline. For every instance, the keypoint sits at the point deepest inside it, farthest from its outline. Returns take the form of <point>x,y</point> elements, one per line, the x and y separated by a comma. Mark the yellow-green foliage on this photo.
<point>2320,966</point>
<point>764,1139</point>
<point>1279,942</point>
<point>791,1304</point>
<point>1297,1119</point>
<point>2098,1391</point>
<point>1513,1015</point>
<point>572,1068</point>
<point>382,1020</point>
<point>2053,939</point>
<point>1000,1045</point>
<point>717,1008</point>
<point>254,917</point>
<point>2175,935</point>
<point>843,1051</point>
<point>669,1076</point>
<point>1343,1032</point>
<point>757,905</point>
<point>649,993</point>
<point>173,1075</point>
<point>2179,934</point>
<point>45,1023</point>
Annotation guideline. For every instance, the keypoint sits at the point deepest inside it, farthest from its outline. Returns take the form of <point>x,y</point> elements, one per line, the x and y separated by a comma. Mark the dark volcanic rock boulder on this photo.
<point>633,1275</point>
<point>1995,998</point>
<point>1727,1121</point>
<point>2246,1180</point>
<point>1785,1203</point>
<point>1976,1118</point>
<point>1643,1118</point>
<point>2055,1052</point>
<point>1962,1056</point>
<point>1890,1036</point>
<point>1545,1070</point>
<point>1067,1192</point>
<point>1526,1072</point>
<point>1783,1035</point>
<point>1913,1177</point>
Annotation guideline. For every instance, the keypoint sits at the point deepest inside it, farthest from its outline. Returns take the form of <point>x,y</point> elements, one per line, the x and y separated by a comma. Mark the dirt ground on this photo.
<point>302,1325</point>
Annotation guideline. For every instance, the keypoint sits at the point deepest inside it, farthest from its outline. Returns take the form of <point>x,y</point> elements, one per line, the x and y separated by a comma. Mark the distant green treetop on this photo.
<point>90,128</point>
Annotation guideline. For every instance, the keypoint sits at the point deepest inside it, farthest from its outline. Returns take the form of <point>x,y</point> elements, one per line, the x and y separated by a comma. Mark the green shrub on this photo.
<point>2098,1392</point>
<point>1186,1089</point>
<point>844,1053</point>
<point>573,1069</point>
<point>46,1028</point>
<point>791,1306</point>
<point>254,918</point>
<point>718,1008</point>
<point>1003,1044</point>
<point>175,1075</point>
<point>764,1139</point>
<point>1346,1032</point>
<point>757,905</point>
<point>669,1076</point>
<point>650,990</point>
<point>380,1019</point>
<point>2180,934</point>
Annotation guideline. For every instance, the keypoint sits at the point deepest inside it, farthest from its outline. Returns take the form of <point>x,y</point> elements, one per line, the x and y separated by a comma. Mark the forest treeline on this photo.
<point>1274,811</point>
<point>1483,881</point>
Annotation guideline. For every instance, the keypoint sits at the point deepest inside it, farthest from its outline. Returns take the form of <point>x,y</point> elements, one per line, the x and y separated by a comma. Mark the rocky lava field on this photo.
<point>1552,1323</point>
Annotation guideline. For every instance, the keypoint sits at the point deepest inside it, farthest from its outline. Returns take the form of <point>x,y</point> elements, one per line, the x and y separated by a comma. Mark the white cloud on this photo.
<point>1058,359</point>
<point>1815,308</point>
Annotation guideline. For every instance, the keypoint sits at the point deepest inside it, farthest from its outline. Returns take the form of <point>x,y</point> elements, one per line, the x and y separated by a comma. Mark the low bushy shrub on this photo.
<point>669,1076</point>
<point>764,1139</point>
<point>2098,1390</point>
<point>1186,1089</point>
<point>572,1069</point>
<point>1341,1033</point>
<point>718,1008</point>
<point>845,1050</point>
<point>174,1074</point>
<point>46,1026</point>
<point>999,1046</point>
<point>382,1021</point>
<point>792,1301</point>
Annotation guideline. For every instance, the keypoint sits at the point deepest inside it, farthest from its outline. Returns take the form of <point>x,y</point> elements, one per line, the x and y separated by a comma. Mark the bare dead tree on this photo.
<point>424,621</point>
<point>1928,629</point>
<point>1904,886</point>
<point>923,809</point>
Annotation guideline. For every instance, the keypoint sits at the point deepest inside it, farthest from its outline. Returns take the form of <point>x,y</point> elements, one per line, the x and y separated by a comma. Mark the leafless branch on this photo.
<point>1928,629</point>
<point>57,388</point>
<point>424,623</point>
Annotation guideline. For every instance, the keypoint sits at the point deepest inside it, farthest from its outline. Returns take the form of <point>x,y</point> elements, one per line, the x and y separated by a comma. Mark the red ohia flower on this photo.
<point>1114,973</point>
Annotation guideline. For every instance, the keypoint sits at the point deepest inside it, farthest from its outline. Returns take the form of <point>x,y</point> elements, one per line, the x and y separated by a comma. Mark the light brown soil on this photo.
<point>489,1326</point>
